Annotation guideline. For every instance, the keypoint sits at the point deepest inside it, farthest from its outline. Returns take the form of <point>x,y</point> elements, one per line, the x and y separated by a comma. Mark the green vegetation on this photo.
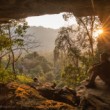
<point>24,79</point>
<point>76,50</point>
<point>11,35</point>
<point>35,65</point>
<point>6,75</point>
<point>12,44</point>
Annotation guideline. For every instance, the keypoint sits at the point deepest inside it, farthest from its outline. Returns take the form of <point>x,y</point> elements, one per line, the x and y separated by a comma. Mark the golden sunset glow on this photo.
<point>98,32</point>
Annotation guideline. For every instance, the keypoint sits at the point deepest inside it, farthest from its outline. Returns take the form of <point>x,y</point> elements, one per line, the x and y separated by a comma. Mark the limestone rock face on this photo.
<point>15,96</point>
<point>15,9</point>
<point>96,98</point>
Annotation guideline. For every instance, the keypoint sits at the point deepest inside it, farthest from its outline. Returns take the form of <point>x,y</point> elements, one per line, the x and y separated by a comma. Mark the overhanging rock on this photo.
<point>15,9</point>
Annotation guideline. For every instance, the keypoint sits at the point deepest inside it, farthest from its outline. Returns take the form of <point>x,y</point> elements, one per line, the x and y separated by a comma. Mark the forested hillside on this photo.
<point>44,36</point>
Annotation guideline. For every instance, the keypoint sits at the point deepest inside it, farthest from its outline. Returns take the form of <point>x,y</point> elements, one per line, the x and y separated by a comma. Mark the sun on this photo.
<point>98,32</point>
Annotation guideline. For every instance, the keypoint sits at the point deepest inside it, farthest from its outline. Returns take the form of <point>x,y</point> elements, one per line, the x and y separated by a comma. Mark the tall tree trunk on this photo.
<point>12,53</point>
<point>8,63</point>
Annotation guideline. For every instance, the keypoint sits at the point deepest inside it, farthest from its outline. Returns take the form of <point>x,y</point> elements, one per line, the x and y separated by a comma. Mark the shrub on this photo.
<point>24,79</point>
<point>6,75</point>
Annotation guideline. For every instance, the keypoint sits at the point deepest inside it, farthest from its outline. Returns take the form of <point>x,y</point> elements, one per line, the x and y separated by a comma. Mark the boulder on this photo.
<point>61,95</point>
<point>16,96</point>
<point>96,98</point>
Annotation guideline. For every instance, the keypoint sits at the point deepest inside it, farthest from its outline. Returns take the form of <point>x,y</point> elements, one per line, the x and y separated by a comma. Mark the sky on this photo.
<point>54,21</point>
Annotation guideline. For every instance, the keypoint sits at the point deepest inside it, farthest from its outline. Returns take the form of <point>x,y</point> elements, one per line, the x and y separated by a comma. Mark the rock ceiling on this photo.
<point>15,9</point>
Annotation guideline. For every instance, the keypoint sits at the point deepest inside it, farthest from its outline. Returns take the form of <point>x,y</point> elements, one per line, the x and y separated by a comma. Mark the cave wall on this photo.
<point>15,9</point>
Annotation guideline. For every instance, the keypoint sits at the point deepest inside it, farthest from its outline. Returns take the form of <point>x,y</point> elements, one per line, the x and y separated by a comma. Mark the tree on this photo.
<point>75,47</point>
<point>34,64</point>
<point>13,41</point>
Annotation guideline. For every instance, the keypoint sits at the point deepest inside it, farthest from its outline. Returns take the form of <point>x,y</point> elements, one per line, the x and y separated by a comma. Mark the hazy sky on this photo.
<point>54,21</point>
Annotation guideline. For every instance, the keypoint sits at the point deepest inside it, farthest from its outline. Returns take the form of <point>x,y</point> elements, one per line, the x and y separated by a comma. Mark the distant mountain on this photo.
<point>45,36</point>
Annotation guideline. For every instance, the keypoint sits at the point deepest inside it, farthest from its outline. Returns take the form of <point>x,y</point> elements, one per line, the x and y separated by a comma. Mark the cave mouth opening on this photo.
<point>54,21</point>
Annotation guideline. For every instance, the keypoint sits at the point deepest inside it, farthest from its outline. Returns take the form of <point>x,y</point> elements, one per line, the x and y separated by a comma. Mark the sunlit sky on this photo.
<point>54,21</point>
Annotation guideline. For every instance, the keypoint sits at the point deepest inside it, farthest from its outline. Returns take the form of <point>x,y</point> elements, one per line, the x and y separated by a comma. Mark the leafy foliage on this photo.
<point>6,75</point>
<point>12,33</point>
<point>4,42</point>
<point>11,39</point>
<point>76,49</point>
<point>35,65</point>
<point>24,79</point>
<point>13,43</point>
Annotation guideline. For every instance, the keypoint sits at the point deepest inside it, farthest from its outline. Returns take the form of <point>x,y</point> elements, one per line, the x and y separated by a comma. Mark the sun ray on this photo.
<point>98,32</point>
